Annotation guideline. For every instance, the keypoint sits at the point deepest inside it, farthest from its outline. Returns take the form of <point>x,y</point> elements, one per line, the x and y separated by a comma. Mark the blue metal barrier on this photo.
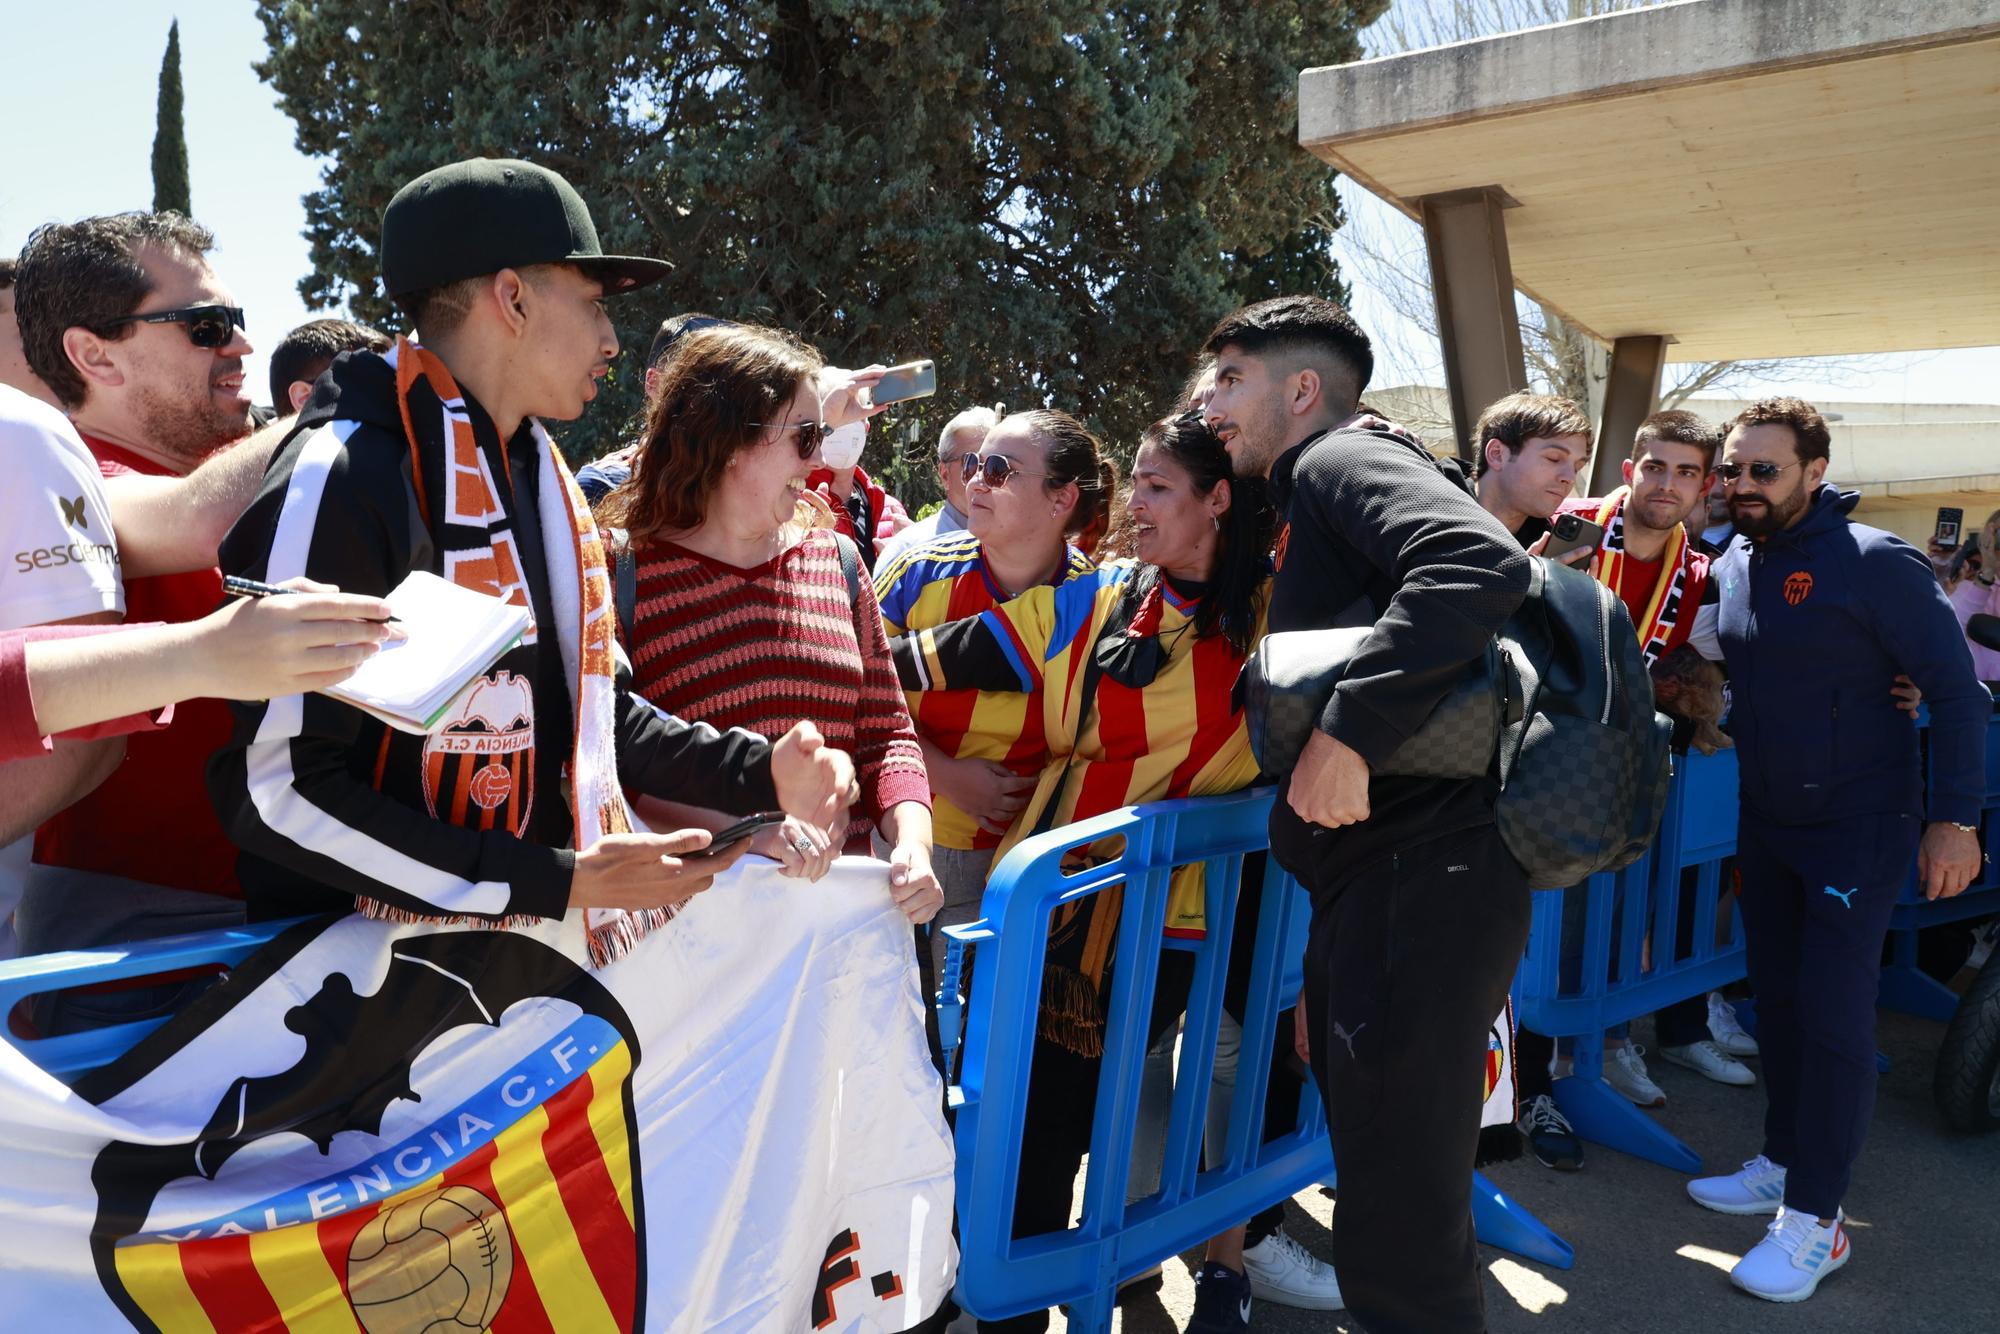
<point>1904,986</point>
<point>75,1053</point>
<point>1620,912</point>
<point>1001,1275</point>
<point>1631,964</point>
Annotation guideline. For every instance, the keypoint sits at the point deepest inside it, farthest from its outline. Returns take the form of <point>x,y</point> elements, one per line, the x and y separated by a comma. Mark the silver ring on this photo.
<point>801,846</point>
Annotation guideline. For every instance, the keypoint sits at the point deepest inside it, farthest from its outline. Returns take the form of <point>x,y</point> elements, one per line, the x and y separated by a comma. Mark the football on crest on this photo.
<point>436,1264</point>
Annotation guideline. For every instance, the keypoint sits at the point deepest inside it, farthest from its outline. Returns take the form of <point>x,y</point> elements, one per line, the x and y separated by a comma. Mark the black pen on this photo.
<point>250,588</point>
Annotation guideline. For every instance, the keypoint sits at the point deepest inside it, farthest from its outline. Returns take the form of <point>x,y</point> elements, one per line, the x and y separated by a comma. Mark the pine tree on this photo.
<point>170,152</point>
<point>1054,199</point>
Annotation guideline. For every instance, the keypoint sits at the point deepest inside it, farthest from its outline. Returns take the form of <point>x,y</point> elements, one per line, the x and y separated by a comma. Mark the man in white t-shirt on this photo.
<point>61,568</point>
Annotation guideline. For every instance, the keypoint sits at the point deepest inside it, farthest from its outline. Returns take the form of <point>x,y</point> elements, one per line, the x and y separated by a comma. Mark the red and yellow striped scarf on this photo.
<point>1667,602</point>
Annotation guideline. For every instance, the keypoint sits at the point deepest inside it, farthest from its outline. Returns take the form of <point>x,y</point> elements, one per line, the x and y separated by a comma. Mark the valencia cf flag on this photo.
<point>375,1127</point>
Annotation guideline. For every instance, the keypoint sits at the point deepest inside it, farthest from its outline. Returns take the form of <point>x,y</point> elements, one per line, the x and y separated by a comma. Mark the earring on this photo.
<point>1216,519</point>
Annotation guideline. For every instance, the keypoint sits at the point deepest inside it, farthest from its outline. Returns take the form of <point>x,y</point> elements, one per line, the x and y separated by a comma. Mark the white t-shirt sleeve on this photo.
<point>55,527</point>
<point>1702,635</point>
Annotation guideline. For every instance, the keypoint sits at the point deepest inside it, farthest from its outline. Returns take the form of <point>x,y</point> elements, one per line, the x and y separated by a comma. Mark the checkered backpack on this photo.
<point>1584,766</point>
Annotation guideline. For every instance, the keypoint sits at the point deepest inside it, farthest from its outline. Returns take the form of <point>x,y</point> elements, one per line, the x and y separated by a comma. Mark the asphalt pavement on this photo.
<point>1923,1216</point>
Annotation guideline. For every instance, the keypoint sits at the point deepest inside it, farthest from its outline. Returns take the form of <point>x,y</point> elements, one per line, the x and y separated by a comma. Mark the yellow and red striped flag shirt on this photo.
<point>946,580</point>
<point>1177,736</point>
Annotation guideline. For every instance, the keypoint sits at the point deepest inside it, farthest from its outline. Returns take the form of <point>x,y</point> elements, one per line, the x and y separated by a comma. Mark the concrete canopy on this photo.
<point>1749,178</point>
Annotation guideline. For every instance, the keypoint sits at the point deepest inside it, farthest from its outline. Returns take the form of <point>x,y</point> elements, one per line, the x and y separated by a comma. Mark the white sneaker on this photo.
<point>1758,1189</point>
<point>1708,1059</point>
<point>1722,1026</point>
<point>1285,1272</point>
<point>1796,1253</point>
<point>1624,1071</point>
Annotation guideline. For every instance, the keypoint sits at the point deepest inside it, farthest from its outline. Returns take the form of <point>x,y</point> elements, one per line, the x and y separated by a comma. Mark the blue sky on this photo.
<point>78,104</point>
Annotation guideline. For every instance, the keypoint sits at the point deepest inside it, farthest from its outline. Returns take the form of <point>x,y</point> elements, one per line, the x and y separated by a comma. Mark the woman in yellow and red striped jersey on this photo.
<point>1035,479</point>
<point>1170,632</point>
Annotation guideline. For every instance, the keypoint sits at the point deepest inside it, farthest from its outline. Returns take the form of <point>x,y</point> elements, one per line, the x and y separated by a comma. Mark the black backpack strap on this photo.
<point>850,566</point>
<point>624,580</point>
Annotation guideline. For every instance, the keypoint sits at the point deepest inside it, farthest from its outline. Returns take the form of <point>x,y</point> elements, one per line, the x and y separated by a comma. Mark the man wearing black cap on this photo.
<point>430,458</point>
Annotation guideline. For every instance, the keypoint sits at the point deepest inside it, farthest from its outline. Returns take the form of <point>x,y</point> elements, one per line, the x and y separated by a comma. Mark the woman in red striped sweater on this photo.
<point>747,616</point>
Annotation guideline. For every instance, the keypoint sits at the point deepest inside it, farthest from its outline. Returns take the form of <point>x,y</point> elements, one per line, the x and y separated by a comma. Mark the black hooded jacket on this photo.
<point>329,804</point>
<point>1366,513</point>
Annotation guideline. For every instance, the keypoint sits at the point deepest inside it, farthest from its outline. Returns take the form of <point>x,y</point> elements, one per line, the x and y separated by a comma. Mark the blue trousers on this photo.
<point>1816,904</point>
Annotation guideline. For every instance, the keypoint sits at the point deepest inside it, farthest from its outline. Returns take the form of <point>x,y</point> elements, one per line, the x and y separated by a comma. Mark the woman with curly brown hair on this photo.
<point>744,614</point>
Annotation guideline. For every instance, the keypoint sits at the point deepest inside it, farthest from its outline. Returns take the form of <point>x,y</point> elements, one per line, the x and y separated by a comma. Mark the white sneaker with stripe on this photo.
<point>1759,1188</point>
<point>1796,1253</point>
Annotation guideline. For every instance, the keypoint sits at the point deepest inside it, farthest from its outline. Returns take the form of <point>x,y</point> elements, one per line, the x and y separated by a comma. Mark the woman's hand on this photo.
<point>987,790</point>
<point>802,851</point>
<point>913,884</point>
<point>843,395</point>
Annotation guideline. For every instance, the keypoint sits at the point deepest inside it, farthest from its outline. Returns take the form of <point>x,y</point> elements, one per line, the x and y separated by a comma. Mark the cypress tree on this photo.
<point>170,153</point>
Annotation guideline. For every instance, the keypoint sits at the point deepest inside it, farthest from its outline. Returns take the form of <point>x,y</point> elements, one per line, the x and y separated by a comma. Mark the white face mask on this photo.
<point>841,449</point>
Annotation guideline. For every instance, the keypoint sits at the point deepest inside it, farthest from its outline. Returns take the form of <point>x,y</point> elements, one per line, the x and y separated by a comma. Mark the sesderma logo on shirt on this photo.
<point>76,517</point>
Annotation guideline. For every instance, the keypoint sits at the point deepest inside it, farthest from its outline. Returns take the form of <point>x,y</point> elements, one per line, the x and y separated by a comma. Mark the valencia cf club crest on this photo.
<point>479,768</point>
<point>1798,587</point>
<point>476,1164</point>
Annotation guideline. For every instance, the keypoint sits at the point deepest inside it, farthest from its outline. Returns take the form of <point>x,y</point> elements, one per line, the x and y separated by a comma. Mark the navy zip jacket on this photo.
<point>1816,622</point>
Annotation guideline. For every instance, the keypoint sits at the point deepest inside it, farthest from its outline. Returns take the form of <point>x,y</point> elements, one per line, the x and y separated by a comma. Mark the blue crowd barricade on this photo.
<point>1617,947</point>
<point>75,1053</point>
<point>1001,1275</point>
<point>1625,945</point>
<point>1905,986</point>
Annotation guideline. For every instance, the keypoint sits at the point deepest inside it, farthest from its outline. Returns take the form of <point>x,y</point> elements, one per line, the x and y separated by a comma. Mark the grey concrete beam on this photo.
<point>1472,283</point>
<point>1618,54</point>
<point>1631,392</point>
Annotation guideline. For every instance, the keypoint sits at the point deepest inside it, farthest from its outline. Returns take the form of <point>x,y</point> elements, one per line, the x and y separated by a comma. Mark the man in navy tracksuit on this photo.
<point>1816,613</point>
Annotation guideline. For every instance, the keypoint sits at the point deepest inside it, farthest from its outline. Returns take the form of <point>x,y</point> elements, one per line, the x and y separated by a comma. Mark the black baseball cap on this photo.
<point>483,215</point>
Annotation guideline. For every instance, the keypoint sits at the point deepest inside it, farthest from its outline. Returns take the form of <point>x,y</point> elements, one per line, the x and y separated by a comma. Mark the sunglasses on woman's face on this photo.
<point>206,326</point>
<point>994,469</point>
<point>1763,472</point>
<point>811,434</point>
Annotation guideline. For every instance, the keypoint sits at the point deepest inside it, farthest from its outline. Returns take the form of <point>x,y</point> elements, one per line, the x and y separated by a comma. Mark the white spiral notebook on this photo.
<point>454,635</point>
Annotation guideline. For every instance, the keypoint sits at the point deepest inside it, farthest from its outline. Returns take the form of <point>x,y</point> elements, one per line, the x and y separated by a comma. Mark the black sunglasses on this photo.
<point>1763,471</point>
<point>996,468</point>
<point>810,434</point>
<point>207,326</point>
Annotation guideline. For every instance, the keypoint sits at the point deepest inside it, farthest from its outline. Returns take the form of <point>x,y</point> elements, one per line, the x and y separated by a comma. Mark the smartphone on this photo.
<point>1949,520</point>
<point>912,379</point>
<point>748,827</point>
<point>1572,532</point>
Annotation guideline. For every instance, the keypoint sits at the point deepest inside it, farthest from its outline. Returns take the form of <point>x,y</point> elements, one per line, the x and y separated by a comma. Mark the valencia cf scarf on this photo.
<point>435,425</point>
<point>1668,601</point>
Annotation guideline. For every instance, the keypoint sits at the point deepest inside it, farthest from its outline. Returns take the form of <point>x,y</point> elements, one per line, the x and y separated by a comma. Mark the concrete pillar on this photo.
<point>1473,285</point>
<point>1631,393</point>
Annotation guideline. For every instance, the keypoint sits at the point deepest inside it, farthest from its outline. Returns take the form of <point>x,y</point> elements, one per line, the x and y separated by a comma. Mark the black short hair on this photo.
<point>306,352</point>
<point>8,268</point>
<point>1810,436</point>
<point>676,327</point>
<point>1300,325</point>
<point>87,274</point>
<point>1679,428</point>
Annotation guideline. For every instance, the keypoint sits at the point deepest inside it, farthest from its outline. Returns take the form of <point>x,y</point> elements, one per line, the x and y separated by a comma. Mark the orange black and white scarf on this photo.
<point>435,424</point>
<point>1668,601</point>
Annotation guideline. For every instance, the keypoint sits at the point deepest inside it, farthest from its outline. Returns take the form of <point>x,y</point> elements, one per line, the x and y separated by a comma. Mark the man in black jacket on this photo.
<point>1419,912</point>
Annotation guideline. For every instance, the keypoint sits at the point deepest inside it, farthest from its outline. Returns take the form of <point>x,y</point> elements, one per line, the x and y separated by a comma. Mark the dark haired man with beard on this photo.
<point>126,323</point>
<point>1403,869</point>
<point>1816,612</point>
